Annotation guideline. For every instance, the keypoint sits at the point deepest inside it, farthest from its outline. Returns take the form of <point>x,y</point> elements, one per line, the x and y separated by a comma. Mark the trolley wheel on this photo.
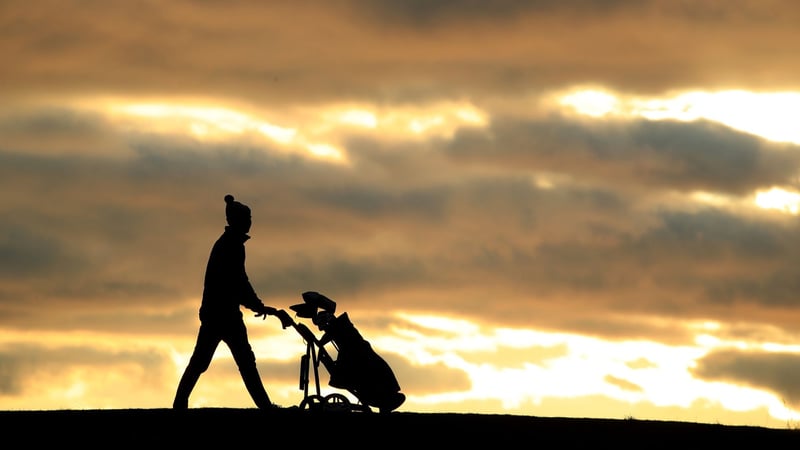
<point>312,402</point>
<point>337,402</point>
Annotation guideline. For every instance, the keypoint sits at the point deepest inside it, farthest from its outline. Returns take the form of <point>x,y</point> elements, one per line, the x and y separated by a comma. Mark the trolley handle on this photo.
<point>285,318</point>
<point>306,333</point>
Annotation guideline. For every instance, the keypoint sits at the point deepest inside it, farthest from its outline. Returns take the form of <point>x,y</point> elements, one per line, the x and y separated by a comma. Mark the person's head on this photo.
<point>237,214</point>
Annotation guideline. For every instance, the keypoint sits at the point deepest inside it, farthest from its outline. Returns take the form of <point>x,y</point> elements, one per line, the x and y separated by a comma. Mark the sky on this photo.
<point>552,208</point>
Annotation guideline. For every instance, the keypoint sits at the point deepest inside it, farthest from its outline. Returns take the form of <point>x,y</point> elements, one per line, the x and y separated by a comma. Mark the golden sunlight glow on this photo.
<point>441,323</point>
<point>780,199</point>
<point>202,121</point>
<point>710,198</point>
<point>591,102</point>
<point>588,367</point>
<point>440,119</point>
<point>422,124</point>
<point>325,150</point>
<point>359,117</point>
<point>471,115</point>
<point>771,115</point>
<point>282,135</point>
<point>317,131</point>
<point>549,180</point>
<point>217,119</point>
<point>634,372</point>
<point>216,123</point>
<point>75,391</point>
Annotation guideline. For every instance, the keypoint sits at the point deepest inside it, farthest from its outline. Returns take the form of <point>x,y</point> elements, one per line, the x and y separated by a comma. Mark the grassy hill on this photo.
<point>207,427</point>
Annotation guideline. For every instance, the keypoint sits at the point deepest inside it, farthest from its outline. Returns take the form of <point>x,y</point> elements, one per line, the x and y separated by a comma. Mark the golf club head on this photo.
<point>304,310</point>
<point>319,301</point>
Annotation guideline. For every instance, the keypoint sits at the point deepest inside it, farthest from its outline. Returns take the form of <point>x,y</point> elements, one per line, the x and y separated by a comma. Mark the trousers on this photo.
<point>234,334</point>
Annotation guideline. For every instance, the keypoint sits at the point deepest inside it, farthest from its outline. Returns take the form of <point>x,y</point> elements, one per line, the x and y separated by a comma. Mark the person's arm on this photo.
<point>283,316</point>
<point>250,300</point>
<point>245,293</point>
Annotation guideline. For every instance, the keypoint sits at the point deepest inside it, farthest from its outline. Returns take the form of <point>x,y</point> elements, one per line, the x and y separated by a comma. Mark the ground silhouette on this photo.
<point>302,428</point>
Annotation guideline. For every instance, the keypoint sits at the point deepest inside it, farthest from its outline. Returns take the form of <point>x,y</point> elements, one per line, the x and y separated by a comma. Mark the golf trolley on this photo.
<point>356,369</point>
<point>310,361</point>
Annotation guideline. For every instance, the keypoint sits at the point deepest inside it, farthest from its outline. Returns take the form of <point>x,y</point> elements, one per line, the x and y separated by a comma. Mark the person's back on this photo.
<point>226,283</point>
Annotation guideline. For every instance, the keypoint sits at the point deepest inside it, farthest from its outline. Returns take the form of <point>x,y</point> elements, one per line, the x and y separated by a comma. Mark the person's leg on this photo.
<point>246,361</point>
<point>206,345</point>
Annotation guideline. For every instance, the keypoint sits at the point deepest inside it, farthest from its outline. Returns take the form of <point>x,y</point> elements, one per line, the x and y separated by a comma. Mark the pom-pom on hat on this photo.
<point>235,212</point>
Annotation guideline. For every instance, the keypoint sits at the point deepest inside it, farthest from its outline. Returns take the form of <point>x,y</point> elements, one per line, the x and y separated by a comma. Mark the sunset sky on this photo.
<point>581,208</point>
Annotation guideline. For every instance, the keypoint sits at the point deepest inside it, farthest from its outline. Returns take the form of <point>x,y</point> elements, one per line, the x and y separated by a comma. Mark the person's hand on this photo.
<point>266,311</point>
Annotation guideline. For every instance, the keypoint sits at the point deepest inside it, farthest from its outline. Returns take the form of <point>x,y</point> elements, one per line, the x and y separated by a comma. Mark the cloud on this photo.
<point>659,155</point>
<point>623,384</point>
<point>766,370</point>
<point>471,216</point>
<point>428,379</point>
<point>24,365</point>
<point>516,357</point>
<point>285,52</point>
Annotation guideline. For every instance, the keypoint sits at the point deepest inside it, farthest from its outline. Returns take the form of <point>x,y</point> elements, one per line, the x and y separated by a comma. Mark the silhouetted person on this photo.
<point>227,287</point>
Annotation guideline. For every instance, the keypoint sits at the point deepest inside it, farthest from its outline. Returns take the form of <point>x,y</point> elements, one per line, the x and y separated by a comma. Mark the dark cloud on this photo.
<point>306,52</point>
<point>622,320</point>
<point>657,154</point>
<point>422,14</point>
<point>24,254</point>
<point>61,123</point>
<point>428,379</point>
<point>417,13</point>
<point>21,364</point>
<point>774,372</point>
